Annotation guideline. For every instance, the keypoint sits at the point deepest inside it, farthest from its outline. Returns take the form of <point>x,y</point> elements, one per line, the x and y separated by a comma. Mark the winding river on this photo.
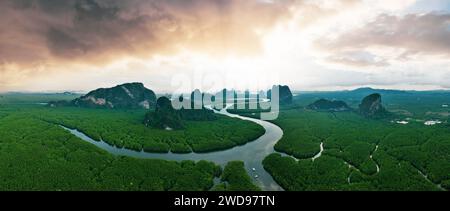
<point>251,153</point>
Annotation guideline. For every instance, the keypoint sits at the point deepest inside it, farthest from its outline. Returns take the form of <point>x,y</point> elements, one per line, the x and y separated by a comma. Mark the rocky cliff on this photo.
<point>371,106</point>
<point>125,96</point>
<point>285,94</point>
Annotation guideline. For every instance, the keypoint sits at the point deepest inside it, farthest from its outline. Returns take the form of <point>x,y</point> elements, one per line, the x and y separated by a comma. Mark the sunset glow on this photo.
<point>311,45</point>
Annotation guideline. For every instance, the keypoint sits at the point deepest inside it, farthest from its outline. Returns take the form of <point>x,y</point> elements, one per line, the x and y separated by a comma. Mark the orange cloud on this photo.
<point>96,31</point>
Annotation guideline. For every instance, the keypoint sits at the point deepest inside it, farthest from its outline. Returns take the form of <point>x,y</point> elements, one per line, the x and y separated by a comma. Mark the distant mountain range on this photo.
<point>135,95</point>
<point>369,90</point>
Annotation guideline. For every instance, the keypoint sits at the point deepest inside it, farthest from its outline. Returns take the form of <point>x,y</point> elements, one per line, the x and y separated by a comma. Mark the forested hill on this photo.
<point>125,96</point>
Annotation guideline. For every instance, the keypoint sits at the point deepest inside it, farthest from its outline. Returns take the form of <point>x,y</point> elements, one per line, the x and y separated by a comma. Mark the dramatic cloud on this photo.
<point>409,36</point>
<point>310,44</point>
<point>101,30</point>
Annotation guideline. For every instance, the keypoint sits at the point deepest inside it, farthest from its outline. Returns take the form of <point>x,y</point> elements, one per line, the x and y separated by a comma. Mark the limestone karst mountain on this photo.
<point>284,93</point>
<point>125,96</point>
<point>371,107</point>
<point>166,117</point>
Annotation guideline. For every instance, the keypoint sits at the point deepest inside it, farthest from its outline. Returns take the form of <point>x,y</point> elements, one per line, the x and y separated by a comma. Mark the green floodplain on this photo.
<point>330,150</point>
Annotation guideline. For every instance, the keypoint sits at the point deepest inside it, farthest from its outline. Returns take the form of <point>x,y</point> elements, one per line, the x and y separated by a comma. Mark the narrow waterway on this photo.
<point>320,152</point>
<point>251,153</point>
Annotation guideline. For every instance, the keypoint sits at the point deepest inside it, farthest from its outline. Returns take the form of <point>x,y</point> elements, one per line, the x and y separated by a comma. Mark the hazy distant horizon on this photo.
<point>238,90</point>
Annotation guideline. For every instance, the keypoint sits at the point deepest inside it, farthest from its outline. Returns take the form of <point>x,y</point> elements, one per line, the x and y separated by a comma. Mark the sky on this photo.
<point>180,45</point>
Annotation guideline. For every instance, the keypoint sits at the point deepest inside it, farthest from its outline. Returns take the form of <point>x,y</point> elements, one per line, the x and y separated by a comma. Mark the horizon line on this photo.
<point>238,90</point>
